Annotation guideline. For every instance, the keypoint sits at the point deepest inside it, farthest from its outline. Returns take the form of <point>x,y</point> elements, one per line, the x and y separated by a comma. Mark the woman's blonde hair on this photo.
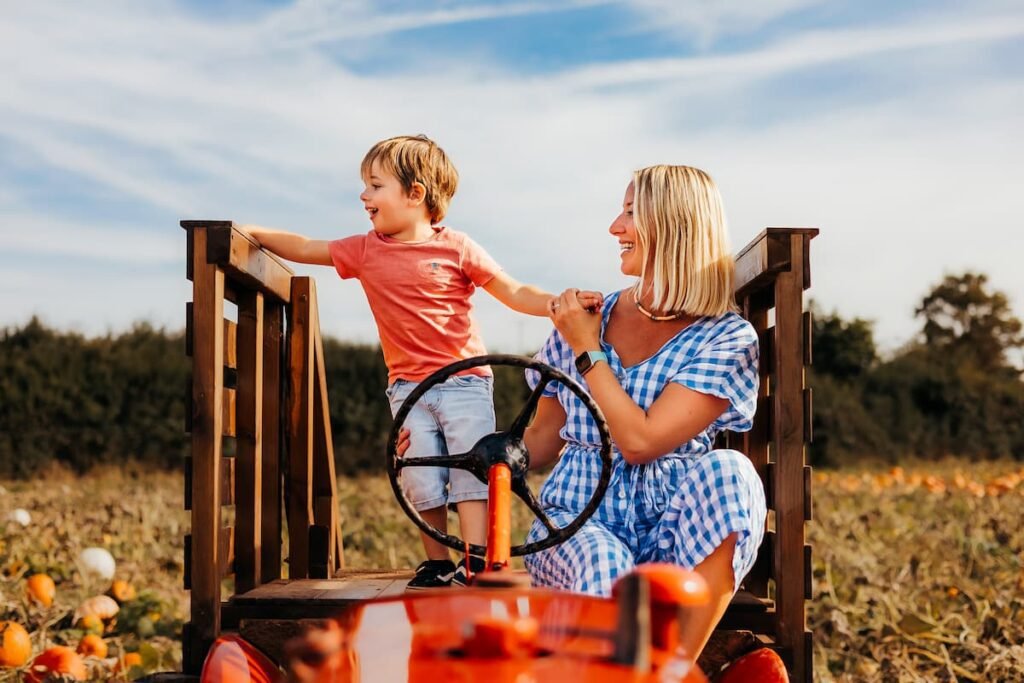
<point>417,159</point>
<point>681,228</point>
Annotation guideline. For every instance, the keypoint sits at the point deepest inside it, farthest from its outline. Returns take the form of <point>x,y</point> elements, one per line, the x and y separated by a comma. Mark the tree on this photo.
<point>964,322</point>
<point>843,349</point>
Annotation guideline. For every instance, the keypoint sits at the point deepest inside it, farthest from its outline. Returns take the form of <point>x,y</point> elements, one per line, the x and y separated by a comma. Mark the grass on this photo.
<point>917,572</point>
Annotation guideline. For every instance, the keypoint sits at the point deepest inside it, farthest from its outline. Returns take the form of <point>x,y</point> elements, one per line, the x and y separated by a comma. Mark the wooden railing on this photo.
<point>772,273</point>
<point>260,428</point>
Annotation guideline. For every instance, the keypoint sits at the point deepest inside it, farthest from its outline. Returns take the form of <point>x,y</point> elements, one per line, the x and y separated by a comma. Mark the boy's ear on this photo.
<point>418,193</point>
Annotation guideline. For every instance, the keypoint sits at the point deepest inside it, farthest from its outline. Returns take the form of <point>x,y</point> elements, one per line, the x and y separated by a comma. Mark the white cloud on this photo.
<point>192,119</point>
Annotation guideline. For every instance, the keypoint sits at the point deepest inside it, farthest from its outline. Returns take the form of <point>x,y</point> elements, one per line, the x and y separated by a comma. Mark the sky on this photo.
<point>894,128</point>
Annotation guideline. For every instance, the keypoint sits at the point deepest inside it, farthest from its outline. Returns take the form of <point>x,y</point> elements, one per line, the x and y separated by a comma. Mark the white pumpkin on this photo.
<point>97,561</point>
<point>19,516</point>
<point>103,606</point>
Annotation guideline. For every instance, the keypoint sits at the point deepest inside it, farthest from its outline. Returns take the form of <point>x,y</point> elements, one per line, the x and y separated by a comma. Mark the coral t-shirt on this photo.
<point>419,294</point>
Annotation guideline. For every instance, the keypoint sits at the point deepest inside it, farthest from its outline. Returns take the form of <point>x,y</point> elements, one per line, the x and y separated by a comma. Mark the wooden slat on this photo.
<point>325,486</point>
<point>319,552</point>
<point>207,418</point>
<point>226,551</point>
<point>788,451</point>
<point>807,493</point>
<point>228,408</point>
<point>188,403</point>
<point>808,575</point>
<point>187,467</point>
<point>300,429</point>
<point>759,261</point>
<point>243,260</point>
<point>227,481</point>
<point>756,440</point>
<point>249,410</point>
<point>230,344</point>
<point>186,579</point>
<point>273,349</point>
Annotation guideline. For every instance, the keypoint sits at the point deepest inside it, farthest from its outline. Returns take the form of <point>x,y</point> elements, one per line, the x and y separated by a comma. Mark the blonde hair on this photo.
<point>416,159</point>
<point>681,228</point>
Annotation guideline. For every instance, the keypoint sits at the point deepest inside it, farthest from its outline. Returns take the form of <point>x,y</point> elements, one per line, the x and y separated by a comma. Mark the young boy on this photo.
<point>418,276</point>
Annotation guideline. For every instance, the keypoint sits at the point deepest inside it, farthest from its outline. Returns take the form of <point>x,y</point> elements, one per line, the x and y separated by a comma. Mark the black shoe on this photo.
<point>462,577</point>
<point>432,574</point>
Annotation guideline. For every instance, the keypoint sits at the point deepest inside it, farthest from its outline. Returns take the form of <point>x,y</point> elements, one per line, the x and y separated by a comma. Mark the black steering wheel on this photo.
<point>500,447</point>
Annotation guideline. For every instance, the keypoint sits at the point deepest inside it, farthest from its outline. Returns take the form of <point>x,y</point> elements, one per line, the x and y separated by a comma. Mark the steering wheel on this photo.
<point>500,447</point>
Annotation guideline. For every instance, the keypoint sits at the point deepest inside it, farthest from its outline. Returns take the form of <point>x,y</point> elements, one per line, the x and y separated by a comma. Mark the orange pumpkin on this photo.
<point>40,589</point>
<point>15,645</point>
<point>57,661</point>
<point>122,591</point>
<point>91,623</point>
<point>92,645</point>
<point>129,660</point>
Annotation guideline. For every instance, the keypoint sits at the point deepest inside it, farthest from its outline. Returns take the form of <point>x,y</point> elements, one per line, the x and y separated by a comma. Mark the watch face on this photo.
<point>583,363</point>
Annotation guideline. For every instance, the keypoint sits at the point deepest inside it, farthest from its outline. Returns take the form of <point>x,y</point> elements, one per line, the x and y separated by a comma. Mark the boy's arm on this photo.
<point>291,246</point>
<point>517,296</point>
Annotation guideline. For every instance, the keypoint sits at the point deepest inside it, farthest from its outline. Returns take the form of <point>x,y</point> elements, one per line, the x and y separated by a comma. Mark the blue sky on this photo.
<point>896,128</point>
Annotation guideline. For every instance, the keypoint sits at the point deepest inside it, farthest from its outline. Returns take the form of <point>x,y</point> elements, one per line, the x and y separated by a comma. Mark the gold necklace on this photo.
<point>657,318</point>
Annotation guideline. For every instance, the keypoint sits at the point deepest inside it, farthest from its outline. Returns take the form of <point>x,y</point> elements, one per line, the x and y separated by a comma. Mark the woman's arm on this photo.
<point>542,436</point>
<point>291,246</point>
<point>677,416</point>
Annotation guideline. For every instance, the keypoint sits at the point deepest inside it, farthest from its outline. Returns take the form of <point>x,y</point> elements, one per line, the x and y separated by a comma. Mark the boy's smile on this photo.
<point>393,211</point>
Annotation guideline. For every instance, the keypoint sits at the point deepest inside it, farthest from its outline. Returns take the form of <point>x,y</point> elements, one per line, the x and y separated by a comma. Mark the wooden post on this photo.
<point>273,358</point>
<point>325,483</point>
<point>249,432</point>
<point>300,426</point>
<point>207,418</point>
<point>787,399</point>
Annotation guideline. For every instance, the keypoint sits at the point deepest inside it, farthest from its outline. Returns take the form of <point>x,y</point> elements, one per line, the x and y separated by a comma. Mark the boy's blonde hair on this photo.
<point>416,159</point>
<point>680,226</point>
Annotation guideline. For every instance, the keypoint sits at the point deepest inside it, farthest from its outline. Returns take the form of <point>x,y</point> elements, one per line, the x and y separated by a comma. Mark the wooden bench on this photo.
<point>262,449</point>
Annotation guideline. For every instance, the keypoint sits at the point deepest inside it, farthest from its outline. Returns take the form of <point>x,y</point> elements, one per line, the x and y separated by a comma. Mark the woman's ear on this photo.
<point>417,193</point>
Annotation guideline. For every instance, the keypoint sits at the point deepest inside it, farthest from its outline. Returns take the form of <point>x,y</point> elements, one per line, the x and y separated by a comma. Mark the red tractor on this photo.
<point>499,629</point>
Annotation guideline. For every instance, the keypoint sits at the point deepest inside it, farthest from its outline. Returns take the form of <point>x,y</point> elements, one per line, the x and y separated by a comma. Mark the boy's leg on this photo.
<point>423,486</point>
<point>437,518</point>
<point>466,414</point>
<point>473,520</point>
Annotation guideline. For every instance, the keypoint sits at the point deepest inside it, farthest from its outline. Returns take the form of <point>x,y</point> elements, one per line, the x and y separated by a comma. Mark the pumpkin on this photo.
<point>129,660</point>
<point>102,606</point>
<point>92,646</point>
<point>40,588</point>
<point>97,561</point>
<point>19,516</point>
<point>91,623</point>
<point>56,662</point>
<point>15,645</point>
<point>122,591</point>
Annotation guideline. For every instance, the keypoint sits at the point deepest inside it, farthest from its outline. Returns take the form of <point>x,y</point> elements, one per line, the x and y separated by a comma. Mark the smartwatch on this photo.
<point>586,360</point>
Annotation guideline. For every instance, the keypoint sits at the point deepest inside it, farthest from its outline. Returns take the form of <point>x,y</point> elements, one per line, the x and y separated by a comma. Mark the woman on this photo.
<point>670,364</point>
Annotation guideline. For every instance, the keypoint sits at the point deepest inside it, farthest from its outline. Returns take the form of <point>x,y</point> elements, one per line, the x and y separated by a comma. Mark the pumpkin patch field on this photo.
<point>918,571</point>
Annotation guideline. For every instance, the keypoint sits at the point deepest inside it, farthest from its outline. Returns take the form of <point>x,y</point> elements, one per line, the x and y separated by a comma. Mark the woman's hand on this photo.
<point>580,328</point>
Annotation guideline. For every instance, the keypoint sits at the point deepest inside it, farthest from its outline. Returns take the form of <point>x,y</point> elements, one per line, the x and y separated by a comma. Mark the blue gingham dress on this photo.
<point>677,508</point>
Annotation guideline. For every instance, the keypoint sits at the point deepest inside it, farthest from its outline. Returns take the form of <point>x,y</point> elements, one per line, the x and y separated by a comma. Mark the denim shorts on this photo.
<point>449,419</point>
